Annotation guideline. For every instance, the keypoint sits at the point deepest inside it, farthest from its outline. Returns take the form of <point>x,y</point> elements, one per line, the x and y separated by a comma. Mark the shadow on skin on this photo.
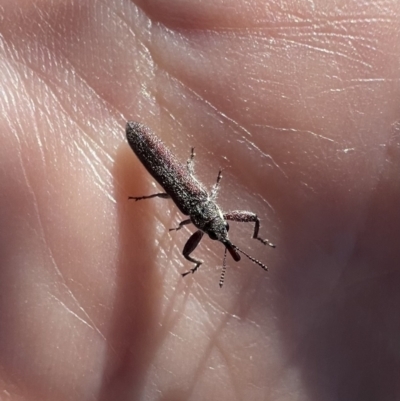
<point>131,342</point>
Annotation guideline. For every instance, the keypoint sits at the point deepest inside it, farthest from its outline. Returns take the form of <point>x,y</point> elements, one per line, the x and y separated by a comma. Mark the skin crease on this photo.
<point>298,102</point>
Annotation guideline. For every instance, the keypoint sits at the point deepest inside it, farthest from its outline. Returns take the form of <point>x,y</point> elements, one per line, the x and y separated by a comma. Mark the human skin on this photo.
<point>298,102</point>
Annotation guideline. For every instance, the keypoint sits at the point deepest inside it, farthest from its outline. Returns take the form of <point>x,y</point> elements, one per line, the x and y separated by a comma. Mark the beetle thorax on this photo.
<point>203,212</point>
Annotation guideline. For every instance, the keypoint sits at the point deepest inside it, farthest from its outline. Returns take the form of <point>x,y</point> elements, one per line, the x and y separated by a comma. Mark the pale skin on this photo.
<point>298,102</point>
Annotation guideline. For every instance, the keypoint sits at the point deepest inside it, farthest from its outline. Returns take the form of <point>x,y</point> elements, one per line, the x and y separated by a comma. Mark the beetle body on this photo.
<point>189,195</point>
<point>184,189</point>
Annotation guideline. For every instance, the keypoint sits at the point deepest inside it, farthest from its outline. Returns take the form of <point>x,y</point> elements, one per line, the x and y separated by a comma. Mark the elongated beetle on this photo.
<point>189,195</point>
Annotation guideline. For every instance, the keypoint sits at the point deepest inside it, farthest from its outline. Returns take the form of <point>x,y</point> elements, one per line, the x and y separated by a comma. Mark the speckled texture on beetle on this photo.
<point>190,196</point>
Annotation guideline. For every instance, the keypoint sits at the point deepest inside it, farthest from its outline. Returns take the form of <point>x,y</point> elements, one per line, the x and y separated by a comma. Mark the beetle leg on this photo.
<point>244,216</point>
<point>160,195</point>
<point>181,224</point>
<point>214,189</point>
<point>189,163</point>
<point>190,246</point>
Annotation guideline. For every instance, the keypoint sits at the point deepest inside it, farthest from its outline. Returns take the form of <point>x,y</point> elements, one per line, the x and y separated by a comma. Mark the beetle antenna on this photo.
<point>257,262</point>
<point>221,280</point>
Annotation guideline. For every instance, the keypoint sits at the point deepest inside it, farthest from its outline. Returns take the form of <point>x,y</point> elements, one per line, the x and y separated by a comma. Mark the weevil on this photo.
<point>190,196</point>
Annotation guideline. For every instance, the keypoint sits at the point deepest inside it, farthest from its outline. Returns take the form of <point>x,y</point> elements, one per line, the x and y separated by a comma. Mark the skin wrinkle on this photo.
<point>10,97</point>
<point>54,264</point>
<point>47,245</point>
<point>50,86</point>
<point>71,294</point>
<point>100,182</point>
<point>295,131</point>
<point>202,362</point>
<point>322,50</point>
<point>264,202</point>
<point>207,102</point>
<point>227,357</point>
<point>308,113</point>
<point>218,112</point>
<point>69,66</point>
<point>267,156</point>
<point>171,316</point>
<point>314,33</point>
<point>213,344</point>
<point>247,14</point>
<point>227,118</point>
<point>200,98</point>
<point>352,87</point>
<point>325,38</point>
<point>96,166</point>
<point>232,379</point>
<point>352,114</point>
<point>70,311</point>
<point>55,96</point>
